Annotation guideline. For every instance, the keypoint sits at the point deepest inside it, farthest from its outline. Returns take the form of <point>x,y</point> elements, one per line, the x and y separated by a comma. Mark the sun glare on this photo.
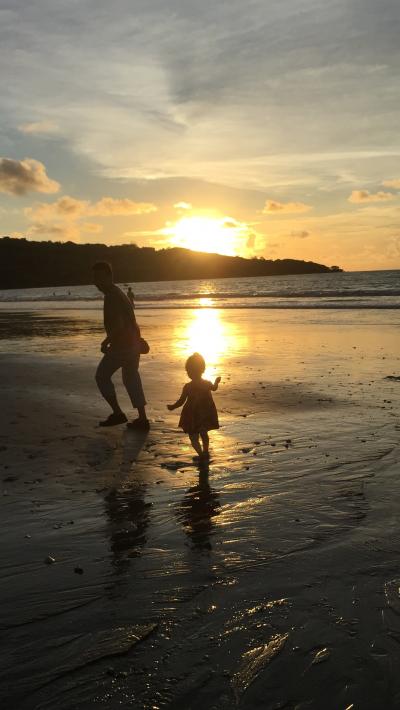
<point>210,333</point>
<point>205,234</point>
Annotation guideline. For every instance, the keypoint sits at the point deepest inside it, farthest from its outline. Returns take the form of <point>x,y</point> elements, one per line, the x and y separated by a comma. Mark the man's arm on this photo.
<point>117,326</point>
<point>104,345</point>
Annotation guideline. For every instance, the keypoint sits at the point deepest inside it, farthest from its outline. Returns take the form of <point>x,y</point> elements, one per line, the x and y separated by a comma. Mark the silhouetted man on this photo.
<point>121,349</point>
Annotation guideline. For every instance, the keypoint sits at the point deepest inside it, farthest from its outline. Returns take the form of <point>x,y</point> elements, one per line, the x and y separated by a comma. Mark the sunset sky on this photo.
<point>265,127</point>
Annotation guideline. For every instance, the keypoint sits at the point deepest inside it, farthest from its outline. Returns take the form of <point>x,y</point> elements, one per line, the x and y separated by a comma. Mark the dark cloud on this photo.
<point>19,177</point>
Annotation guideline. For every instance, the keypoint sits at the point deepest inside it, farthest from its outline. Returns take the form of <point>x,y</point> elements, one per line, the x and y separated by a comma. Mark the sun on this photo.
<point>207,234</point>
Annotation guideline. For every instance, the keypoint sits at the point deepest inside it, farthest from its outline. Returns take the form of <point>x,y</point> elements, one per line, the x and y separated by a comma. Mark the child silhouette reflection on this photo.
<point>197,509</point>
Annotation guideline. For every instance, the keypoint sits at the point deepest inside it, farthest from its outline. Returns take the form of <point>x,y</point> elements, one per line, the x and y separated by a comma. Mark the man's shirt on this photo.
<point>119,320</point>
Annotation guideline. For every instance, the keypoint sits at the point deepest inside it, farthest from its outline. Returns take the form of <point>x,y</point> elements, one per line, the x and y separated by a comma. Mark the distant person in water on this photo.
<point>199,414</point>
<point>131,296</point>
<point>121,350</point>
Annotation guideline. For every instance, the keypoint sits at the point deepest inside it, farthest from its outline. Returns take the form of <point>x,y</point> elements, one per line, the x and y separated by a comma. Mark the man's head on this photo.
<point>102,275</point>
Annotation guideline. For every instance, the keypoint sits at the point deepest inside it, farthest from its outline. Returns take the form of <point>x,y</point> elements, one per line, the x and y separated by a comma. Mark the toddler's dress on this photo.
<point>199,412</point>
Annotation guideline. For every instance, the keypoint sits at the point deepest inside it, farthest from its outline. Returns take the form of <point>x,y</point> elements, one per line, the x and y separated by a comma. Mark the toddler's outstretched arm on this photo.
<point>182,399</point>
<point>216,383</point>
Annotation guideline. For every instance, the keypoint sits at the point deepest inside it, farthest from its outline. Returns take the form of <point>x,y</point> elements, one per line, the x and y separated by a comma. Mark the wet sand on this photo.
<point>270,580</point>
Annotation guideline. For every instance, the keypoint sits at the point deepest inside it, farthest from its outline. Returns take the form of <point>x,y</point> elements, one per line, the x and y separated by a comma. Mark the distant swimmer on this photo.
<point>131,296</point>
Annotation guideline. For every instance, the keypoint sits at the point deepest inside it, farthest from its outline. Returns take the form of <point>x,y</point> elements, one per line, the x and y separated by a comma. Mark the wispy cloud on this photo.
<point>70,208</point>
<point>232,95</point>
<point>39,128</point>
<point>182,206</point>
<point>273,207</point>
<point>62,219</point>
<point>395,183</point>
<point>110,207</point>
<point>366,197</point>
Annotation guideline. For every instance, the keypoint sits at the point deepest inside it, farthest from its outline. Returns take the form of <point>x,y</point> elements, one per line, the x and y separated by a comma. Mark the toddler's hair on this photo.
<point>195,365</point>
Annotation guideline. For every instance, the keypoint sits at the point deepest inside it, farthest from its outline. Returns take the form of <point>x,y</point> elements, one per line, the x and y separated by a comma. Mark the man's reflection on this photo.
<point>126,508</point>
<point>198,507</point>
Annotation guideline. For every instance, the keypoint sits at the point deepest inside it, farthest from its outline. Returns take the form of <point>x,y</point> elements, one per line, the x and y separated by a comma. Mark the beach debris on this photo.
<point>393,378</point>
<point>322,655</point>
<point>27,536</point>
<point>245,449</point>
<point>253,662</point>
<point>171,465</point>
<point>50,560</point>
<point>78,570</point>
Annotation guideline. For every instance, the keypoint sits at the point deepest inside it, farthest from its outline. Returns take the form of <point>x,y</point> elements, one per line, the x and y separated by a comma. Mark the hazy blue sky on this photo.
<point>276,119</point>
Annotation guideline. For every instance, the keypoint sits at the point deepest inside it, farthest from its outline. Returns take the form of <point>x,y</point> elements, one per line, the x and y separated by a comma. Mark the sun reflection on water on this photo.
<point>208,333</point>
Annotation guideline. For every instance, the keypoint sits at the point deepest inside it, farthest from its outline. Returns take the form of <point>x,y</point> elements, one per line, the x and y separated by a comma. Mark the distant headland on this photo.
<point>28,264</point>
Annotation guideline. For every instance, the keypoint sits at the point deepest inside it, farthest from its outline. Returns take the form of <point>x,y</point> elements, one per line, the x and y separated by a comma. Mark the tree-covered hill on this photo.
<point>25,264</point>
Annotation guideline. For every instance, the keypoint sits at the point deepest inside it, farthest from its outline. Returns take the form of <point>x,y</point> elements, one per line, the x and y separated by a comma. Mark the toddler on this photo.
<point>199,414</point>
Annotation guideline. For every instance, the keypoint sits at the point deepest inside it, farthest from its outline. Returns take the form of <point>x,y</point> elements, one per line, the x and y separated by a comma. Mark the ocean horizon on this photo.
<point>343,290</point>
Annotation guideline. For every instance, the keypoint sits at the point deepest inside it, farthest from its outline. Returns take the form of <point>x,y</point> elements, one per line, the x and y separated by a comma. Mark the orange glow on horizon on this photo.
<point>207,234</point>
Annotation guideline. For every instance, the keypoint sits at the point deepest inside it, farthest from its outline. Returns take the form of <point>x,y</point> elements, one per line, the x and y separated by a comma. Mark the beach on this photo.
<point>270,579</point>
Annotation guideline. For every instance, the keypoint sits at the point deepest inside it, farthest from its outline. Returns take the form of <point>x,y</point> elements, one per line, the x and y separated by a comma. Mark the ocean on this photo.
<point>347,290</point>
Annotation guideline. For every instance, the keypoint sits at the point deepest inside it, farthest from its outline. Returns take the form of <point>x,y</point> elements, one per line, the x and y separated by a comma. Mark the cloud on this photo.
<point>273,207</point>
<point>110,207</point>
<point>39,128</point>
<point>301,234</point>
<point>18,177</point>
<point>64,232</point>
<point>92,227</point>
<point>62,219</point>
<point>364,197</point>
<point>70,208</point>
<point>392,183</point>
<point>188,94</point>
<point>182,206</point>
<point>67,208</point>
